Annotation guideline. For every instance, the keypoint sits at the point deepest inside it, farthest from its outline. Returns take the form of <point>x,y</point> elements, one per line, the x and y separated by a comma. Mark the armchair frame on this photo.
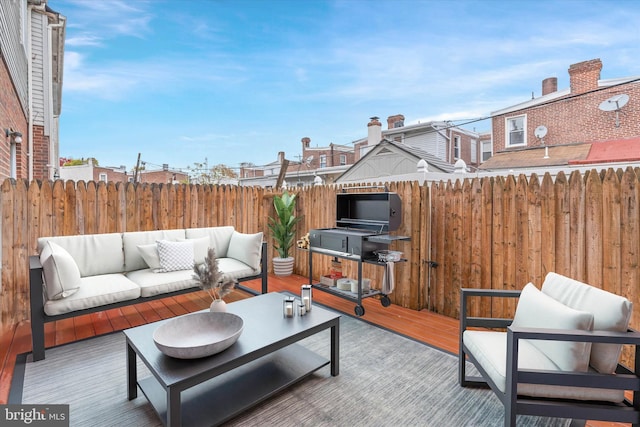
<point>627,411</point>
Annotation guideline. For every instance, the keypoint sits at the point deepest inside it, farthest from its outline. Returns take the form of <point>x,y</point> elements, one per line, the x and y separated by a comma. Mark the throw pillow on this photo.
<point>150,255</point>
<point>200,248</point>
<point>246,248</point>
<point>175,256</point>
<point>61,273</point>
<point>537,310</point>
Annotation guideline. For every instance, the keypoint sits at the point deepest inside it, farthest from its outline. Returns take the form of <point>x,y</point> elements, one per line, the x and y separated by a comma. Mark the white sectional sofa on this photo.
<point>74,275</point>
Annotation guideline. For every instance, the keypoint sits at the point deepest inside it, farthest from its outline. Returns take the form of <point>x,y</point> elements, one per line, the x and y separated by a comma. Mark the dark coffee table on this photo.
<point>265,360</point>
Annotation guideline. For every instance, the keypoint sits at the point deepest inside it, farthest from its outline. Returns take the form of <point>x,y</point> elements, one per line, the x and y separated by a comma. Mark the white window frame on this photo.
<point>484,145</point>
<point>456,147</point>
<point>474,151</point>
<point>343,159</point>
<point>102,177</point>
<point>508,128</point>
<point>323,161</point>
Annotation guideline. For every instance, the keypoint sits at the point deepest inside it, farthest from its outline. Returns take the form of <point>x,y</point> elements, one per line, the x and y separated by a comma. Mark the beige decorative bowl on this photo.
<point>198,335</point>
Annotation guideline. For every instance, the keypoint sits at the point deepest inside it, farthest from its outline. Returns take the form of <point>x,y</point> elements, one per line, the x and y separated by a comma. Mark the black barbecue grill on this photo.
<point>363,223</point>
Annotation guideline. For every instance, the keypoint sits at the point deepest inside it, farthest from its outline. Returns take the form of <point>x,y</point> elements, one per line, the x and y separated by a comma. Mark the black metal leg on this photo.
<point>335,349</point>
<point>173,408</point>
<point>132,373</point>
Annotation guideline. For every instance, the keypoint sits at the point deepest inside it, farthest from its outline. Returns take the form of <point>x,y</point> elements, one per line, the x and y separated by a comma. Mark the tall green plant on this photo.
<point>283,225</point>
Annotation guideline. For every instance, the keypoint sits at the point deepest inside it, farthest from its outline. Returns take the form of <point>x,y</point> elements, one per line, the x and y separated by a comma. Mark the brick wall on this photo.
<point>112,175</point>
<point>40,154</point>
<point>577,119</point>
<point>11,116</point>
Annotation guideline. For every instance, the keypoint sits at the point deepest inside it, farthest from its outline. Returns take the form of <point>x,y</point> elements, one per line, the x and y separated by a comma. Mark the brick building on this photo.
<point>31,73</point>
<point>568,119</point>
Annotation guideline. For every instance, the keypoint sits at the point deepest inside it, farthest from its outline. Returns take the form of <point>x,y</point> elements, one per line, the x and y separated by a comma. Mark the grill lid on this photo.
<point>376,212</point>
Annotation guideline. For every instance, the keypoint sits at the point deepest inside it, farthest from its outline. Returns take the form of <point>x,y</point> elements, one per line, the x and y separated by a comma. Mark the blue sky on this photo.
<point>238,81</point>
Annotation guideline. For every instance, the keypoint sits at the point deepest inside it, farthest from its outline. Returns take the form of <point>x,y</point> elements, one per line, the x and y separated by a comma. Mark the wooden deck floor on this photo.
<point>433,329</point>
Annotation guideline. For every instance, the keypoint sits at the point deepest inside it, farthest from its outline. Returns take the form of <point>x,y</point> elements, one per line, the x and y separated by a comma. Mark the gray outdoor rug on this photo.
<point>385,380</point>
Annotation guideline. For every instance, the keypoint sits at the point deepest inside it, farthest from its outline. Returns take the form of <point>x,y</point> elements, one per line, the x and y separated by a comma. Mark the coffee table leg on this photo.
<point>335,349</point>
<point>132,373</point>
<point>174,416</point>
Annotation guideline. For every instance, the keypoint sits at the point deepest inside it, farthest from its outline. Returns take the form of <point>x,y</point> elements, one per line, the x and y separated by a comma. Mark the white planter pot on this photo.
<point>218,306</point>
<point>283,266</point>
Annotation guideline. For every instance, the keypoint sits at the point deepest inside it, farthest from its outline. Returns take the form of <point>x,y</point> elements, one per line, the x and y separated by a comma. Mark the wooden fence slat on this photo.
<point>611,226</point>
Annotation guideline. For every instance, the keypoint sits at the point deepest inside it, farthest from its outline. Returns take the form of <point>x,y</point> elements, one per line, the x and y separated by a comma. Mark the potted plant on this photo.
<point>282,228</point>
<point>211,279</point>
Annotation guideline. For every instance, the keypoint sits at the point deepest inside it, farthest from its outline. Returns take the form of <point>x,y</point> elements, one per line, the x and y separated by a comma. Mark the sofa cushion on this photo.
<point>246,248</point>
<point>233,269</point>
<point>200,248</point>
<point>132,258</point>
<point>219,237</point>
<point>160,283</point>
<point>537,310</point>
<point>175,256</point>
<point>610,313</point>
<point>95,291</point>
<point>489,349</point>
<point>61,273</point>
<point>150,255</point>
<point>93,253</point>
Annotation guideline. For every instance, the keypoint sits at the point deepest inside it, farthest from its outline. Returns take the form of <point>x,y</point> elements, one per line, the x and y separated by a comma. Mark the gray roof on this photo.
<point>426,156</point>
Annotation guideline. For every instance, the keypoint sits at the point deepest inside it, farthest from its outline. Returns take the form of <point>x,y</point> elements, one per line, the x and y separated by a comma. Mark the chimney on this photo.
<point>306,141</point>
<point>584,76</point>
<point>374,132</point>
<point>549,85</point>
<point>396,121</point>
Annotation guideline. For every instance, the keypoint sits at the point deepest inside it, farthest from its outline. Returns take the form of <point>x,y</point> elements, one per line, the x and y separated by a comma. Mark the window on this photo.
<point>323,161</point>
<point>343,159</point>
<point>474,151</point>
<point>486,150</point>
<point>103,177</point>
<point>456,147</point>
<point>515,131</point>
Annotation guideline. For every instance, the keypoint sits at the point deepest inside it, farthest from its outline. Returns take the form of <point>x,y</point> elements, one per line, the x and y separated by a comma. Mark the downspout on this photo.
<point>54,131</point>
<point>30,9</point>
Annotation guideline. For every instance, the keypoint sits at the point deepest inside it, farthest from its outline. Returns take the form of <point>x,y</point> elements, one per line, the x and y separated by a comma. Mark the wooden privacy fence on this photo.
<point>498,232</point>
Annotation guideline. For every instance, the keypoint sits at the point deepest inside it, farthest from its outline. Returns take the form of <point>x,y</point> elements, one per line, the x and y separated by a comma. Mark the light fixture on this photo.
<point>16,137</point>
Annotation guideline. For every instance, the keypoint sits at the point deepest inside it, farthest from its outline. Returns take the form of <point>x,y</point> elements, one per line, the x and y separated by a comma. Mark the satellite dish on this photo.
<point>614,103</point>
<point>540,132</point>
<point>309,159</point>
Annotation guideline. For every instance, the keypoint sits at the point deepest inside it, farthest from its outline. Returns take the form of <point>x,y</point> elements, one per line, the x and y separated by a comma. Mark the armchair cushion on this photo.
<point>610,313</point>
<point>175,256</point>
<point>537,310</point>
<point>62,276</point>
<point>246,248</point>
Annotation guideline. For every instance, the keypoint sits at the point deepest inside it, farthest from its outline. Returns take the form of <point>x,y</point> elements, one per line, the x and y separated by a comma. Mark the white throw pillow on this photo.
<point>61,273</point>
<point>611,312</point>
<point>537,310</point>
<point>246,248</point>
<point>200,248</point>
<point>175,256</point>
<point>150,255</point>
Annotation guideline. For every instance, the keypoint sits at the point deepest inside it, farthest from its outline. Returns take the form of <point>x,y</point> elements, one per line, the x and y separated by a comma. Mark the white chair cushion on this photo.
<point>95,291</point>
<point>133,259</point>
<point>175,256</point>
<point>490,351</point>
<point>219,237</point>
<point>233,269</point>
<point>246,248</point>
<point>610,313</point>
<point>200,248</point>
<point>159,283</point>
<point>537,310</point>
<point>150,255</point>
<point>61,274</point>
<point>94,254</point>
